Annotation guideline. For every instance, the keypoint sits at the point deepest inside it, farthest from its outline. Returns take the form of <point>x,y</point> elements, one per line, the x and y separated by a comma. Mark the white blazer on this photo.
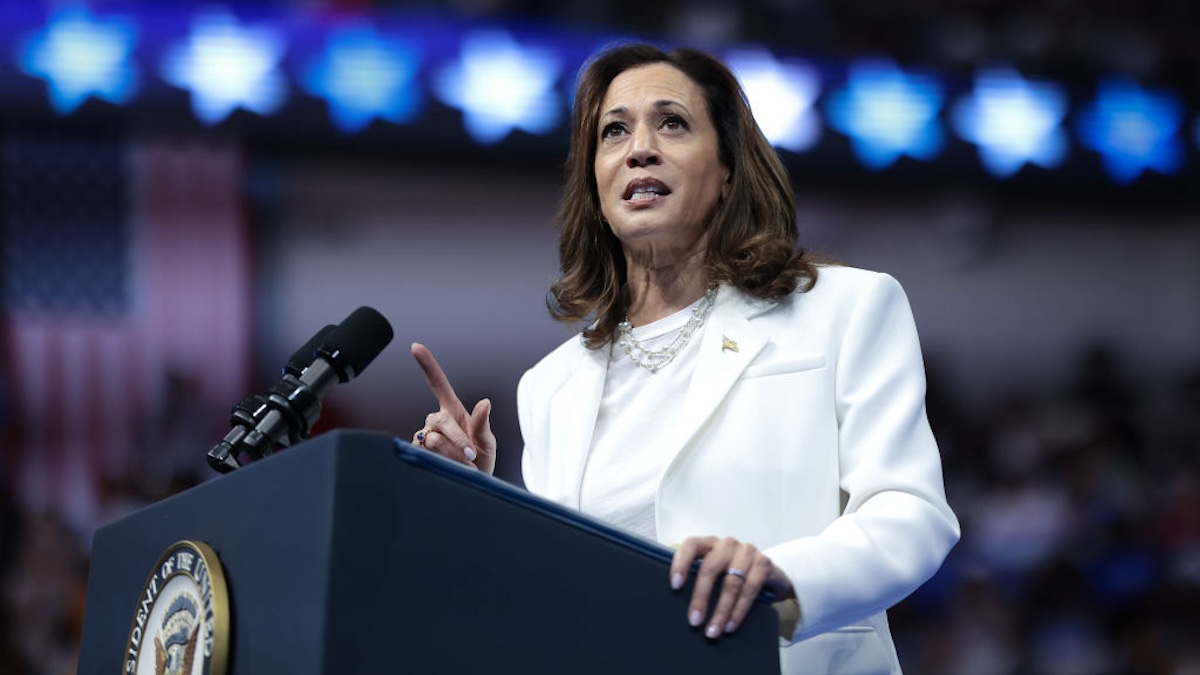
<point>809,440</point>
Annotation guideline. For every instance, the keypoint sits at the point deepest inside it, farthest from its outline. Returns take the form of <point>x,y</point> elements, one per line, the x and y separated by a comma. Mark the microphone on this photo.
<point>287,413</point>
<point>252,409</point>
<point>303,357</point>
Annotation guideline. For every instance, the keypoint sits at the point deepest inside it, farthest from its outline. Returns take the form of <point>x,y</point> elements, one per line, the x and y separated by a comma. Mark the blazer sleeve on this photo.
<point>532,471</point>
<point>896,527</point>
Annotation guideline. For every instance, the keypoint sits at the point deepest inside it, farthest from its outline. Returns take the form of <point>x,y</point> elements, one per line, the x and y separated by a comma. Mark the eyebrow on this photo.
<point>658,105</point>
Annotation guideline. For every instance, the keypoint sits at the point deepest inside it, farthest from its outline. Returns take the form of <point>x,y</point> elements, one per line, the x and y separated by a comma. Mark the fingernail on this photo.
<point>695,618</point>
<point>730,626</point>
<point>712,631</point>
<point>677,581</point>
<point>470,453</point>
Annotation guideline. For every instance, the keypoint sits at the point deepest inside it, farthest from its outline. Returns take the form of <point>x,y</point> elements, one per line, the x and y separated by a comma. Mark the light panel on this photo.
<point>79,56</point>
<point>1013,122</point>
<point>363,76</point>
<point>226,66</point>
<point>1133,130</point>
<point>386,68</point>
<point>888,114</point>
<point>501,86</point>
<point>782,96</point>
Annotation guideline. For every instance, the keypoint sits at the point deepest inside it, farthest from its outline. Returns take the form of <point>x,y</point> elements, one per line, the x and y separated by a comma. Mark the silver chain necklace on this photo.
<point>655,359</point>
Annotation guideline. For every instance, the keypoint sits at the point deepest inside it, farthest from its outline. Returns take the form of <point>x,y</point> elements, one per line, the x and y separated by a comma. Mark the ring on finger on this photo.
<point>735,572</point>
<point>421,435</point>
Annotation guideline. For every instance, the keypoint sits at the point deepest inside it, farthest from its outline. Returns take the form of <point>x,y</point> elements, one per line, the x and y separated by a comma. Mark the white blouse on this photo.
<point>637,411</point>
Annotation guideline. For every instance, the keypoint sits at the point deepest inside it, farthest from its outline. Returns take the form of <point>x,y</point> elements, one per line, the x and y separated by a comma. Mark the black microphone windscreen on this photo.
<point>357,341</point>
<point>303,357</point>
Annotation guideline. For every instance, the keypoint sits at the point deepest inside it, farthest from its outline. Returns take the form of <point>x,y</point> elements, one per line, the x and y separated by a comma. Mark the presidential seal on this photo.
<point>181,623</point>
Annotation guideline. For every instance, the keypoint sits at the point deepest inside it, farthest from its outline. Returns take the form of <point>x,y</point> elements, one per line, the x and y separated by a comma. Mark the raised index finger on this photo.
<point>438,382</point>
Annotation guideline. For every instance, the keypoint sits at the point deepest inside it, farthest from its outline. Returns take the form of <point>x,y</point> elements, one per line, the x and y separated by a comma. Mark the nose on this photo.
<point>643,151</point>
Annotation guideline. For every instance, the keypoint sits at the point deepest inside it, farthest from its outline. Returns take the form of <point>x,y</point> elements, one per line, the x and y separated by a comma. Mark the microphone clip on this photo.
<point>287,413</point>
<point>291,407</point>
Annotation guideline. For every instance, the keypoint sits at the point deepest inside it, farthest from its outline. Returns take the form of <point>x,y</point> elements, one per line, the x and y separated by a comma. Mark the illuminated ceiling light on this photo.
<point>1013,122</point>
<point>782,97</point>
<point>887,114</point>
<point>362,77</point>
<point>80,56</point>
<point>1133,130</point>
<point>500,86</point>
<point>226,66</point>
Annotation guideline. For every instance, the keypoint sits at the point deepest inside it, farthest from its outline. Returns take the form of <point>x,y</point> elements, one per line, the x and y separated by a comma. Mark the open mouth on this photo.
<point>643,189</point>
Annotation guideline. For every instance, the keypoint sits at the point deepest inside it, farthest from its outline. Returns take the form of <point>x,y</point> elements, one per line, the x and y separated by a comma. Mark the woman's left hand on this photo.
<point>737,570</point>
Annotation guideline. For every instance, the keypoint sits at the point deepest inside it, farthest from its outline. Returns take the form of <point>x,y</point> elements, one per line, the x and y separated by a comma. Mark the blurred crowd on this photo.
<point>44,567</point>
<point>1081,531</point>
<point>44,552</point>
<point>1080,552</point>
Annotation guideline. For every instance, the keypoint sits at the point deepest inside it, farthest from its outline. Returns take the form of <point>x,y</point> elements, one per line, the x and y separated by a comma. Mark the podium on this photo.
<point>358,553</point>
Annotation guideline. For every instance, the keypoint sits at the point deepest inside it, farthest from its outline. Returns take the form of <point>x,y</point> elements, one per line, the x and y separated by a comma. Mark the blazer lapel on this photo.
<point>728,345</point>
<point>573,413</point>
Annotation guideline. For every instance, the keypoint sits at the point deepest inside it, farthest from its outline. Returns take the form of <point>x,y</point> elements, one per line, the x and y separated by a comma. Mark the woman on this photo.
<point>731,396</point>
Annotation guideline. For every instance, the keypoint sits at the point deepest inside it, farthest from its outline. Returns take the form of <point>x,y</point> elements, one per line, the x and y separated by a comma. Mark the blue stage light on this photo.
<point>1013,121</point>
<point>386,65</point>
<point>782,95</point>
<point>226,66</point>
<point>500,86</point>
<point>363,77</point>
<point>1133,130</point>
<point>888,113</point>
<point>79,55</point>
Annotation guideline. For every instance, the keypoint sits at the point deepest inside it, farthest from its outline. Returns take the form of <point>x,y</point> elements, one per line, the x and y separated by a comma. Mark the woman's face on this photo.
<point>658,170</point>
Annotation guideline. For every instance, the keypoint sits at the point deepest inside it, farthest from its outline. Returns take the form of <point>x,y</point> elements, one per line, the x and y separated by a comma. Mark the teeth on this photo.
<point>645,193</point>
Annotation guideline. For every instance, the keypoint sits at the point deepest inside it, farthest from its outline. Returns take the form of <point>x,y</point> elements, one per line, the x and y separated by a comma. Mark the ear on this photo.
<point>726,186</point>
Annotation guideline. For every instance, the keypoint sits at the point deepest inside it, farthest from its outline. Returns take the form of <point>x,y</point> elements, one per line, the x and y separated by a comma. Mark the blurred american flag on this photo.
<point>128,312</point>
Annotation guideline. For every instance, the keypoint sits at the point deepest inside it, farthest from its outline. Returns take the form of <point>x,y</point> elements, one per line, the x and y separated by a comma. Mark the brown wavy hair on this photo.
<point>751,236</point>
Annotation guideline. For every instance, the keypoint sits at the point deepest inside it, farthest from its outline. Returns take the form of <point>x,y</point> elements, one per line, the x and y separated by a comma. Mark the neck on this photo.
<point>657,292</point>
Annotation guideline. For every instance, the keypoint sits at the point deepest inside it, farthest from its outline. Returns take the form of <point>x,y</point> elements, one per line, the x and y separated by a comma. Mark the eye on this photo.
<point>674,123</point>
<point>612,129</point>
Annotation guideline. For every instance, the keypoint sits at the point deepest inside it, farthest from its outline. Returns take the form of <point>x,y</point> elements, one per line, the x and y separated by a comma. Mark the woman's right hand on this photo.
<point>451,431</point>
